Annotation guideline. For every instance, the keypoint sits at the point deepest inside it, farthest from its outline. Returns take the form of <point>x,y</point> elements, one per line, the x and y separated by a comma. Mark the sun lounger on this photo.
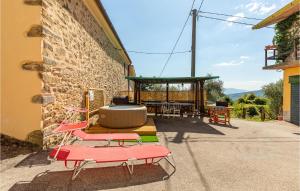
<point>83,155</point>
<point>75,129</point>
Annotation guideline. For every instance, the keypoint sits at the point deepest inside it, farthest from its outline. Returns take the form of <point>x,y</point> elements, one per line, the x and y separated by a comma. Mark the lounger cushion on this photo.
<point>111,154</point>
<point>64,127</point>
<point>107,136</point>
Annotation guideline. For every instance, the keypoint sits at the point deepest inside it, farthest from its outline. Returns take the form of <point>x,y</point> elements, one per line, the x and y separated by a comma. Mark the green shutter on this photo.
<point>294,79</point>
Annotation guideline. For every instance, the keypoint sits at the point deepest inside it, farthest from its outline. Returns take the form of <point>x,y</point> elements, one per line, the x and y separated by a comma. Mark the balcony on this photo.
<point>274,60</point>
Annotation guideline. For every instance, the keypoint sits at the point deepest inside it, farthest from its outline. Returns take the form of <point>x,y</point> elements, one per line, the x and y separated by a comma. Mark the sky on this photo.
<point>233,52</point>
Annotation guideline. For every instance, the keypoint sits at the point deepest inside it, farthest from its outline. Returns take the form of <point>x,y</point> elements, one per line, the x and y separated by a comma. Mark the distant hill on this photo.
<point>228,91</point>
<point>236,96</point>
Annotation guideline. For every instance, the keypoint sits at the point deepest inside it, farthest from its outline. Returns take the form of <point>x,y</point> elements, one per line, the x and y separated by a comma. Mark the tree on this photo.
<point>214,89</point>
<point>274,92</point>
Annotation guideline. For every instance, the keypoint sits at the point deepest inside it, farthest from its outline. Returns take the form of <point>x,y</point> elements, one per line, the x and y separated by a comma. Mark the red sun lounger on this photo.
<point>75,129</point>
<point>83,155</point>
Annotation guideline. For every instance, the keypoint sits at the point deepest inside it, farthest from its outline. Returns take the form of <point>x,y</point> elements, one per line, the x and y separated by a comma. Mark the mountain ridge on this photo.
<point>236,96</point>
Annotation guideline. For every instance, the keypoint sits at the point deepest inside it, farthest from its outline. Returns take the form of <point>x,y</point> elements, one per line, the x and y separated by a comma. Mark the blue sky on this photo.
<point>232,51</point>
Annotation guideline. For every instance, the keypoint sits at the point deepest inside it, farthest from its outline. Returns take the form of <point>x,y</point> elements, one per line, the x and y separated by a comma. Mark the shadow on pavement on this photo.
<point>93,179</point>
<point>187,125</point>
<point>34,159</point>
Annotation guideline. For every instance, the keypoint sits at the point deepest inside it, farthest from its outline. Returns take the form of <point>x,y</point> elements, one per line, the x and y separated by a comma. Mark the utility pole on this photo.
<point>193,59</point>
<point>194,86</point>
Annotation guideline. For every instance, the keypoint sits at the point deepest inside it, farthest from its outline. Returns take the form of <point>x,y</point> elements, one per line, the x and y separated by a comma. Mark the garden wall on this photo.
<point>77,55</point>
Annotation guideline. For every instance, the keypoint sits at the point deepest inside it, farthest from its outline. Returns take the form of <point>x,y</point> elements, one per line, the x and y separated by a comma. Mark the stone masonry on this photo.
<point>77,55</point>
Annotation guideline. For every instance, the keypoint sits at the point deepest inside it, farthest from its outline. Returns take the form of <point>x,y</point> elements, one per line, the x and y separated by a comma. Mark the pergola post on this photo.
<point>139,93</point>
<point>167,92</point>
<point>135,92</point>
<point>197,95</point>
<point>202,96</point>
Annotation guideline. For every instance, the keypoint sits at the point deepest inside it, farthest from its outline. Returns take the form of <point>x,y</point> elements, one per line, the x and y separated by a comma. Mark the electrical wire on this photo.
<point>150,53</point>
<point>164,53</point>
<point>236,22</point>
<point>224,14</point>
<point>178,38</point>
<point>200,6</point>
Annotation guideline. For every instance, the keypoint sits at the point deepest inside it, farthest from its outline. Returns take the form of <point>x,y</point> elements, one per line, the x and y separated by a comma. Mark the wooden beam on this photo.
<point>197,96</point>
<point>202,96</point>
<point>167,92</point>
<point>135,92</point>
<point>139,93</point>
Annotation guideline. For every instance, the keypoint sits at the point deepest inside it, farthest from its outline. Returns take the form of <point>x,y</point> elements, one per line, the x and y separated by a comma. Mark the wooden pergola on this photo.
<point>196,82</point>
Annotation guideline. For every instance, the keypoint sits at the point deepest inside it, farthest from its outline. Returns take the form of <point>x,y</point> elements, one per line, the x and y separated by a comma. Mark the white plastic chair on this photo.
<point>176,109</point>
<point>165,109</point>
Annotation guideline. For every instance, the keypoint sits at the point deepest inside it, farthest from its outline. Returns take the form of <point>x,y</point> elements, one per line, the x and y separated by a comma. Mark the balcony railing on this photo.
<point>272,54</point>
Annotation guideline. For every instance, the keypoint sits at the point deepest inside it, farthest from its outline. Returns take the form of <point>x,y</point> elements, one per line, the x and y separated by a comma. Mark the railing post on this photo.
<point>266,57</point>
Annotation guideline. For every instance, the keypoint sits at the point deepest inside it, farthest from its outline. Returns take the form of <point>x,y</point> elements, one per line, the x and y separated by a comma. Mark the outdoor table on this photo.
<point>159,104</point>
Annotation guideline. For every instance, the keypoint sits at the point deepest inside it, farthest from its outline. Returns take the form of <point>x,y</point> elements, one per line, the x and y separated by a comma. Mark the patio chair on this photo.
<point>176,109</point>
<point>166,109</point>
<point>83,155</point>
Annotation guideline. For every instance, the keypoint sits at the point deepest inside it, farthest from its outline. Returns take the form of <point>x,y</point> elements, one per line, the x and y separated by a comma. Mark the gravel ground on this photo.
<point>245,156</point>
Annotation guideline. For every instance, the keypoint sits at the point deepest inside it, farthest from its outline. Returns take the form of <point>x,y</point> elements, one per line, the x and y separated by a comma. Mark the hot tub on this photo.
<point>123,116</point>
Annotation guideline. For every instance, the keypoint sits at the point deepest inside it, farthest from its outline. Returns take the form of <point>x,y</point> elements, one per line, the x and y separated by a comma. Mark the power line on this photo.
<point>142,52</point>
<point>224,14</point>
<point>173,49</point>
<point>145,52</point>
<point>200,6</point>
<point>236,22</point>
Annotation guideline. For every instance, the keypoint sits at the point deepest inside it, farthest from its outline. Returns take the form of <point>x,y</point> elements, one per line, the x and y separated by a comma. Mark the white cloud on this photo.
<point>236,62</point>
<point>259,8</point>
<point>236,17</point>
<point>231,63</point>
<point>244,57</point>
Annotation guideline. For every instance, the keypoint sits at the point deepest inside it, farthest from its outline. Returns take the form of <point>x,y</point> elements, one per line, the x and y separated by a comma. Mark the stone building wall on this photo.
<point>77,55</point>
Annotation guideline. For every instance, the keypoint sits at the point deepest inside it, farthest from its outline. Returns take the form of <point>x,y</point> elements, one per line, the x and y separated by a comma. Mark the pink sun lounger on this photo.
<point>83,155</point>
<point>75,129</point>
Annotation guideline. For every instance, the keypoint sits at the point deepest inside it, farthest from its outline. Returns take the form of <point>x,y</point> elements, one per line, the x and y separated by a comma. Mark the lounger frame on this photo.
<point>79,165</point>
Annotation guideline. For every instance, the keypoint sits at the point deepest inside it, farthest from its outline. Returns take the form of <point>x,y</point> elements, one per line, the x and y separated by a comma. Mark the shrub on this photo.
<point>252,111</point>
<point>274,92</point>
<point>241,100</point>
<point>260,101</point>
<point>238,110</point>
<point>251,97</point>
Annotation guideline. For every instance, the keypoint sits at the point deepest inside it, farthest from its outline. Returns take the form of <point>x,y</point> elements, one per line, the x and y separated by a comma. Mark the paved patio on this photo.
<point>246,156</point>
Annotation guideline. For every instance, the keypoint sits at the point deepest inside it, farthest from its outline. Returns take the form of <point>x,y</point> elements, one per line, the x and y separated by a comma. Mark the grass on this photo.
<point>146,139</point>
<point>149,138</point>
